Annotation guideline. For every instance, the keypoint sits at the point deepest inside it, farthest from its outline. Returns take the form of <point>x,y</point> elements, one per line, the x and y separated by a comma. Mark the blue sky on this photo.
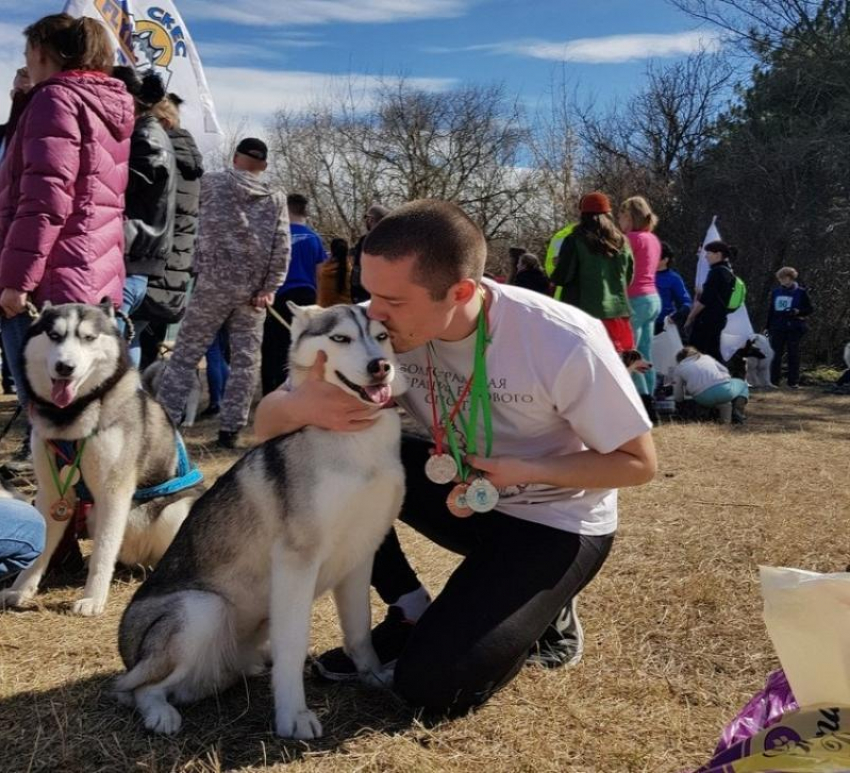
<point>262,55</point>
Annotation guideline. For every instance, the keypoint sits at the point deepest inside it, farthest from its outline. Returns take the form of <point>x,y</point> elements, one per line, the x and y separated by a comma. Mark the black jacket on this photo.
<point>150,199</point>
<point>533,279</point>
<point>166,298</point>
<point>717,291</point>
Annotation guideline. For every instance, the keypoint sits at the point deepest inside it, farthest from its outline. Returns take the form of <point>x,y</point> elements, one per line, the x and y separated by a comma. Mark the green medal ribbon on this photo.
<point>479,404</point>
<point>63,486</point>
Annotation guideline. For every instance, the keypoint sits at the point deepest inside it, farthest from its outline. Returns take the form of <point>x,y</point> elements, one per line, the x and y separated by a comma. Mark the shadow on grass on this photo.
<point>79,727</point>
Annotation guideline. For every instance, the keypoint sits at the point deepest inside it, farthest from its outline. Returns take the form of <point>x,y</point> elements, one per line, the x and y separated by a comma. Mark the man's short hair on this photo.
<point>297,203</point>
<point>446,244</point>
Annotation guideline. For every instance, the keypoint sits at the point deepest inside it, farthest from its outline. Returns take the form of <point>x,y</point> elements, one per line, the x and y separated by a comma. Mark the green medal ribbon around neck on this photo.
<point>479,405</point>
<point>63,486</point>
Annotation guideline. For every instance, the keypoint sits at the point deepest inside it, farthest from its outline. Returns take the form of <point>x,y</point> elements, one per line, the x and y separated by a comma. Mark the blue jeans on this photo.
<point>645,310</point>
<point>135,290</point>
<point>723,393</point>
<point>217,368</point>
<point>21,536</point>
<point>13,331</point>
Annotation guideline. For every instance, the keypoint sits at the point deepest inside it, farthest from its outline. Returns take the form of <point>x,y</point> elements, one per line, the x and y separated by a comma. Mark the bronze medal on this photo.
<point>61,510</point>
<point>456,501</point>
<point>441,468</point>
<point>482,496</point>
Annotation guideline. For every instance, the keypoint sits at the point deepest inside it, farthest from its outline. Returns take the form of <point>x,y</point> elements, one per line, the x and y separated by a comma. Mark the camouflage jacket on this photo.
<point>243,231</point>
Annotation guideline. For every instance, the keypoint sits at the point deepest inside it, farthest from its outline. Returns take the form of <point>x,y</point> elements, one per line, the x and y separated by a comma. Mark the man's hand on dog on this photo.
<point>329,407</point>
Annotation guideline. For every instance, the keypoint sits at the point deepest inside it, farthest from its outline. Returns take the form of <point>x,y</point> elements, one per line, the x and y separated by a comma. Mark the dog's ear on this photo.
<point>302,312</point>
<point>107,307</point>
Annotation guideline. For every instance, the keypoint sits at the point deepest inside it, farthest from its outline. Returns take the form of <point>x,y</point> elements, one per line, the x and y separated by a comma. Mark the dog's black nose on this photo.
<point>379,367</point>
<point>64,369</point>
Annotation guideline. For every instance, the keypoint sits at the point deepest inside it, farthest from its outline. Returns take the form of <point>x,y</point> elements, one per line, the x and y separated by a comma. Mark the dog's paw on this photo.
<point>15,599</point>
<point>301,725</point>
<point>381,678</point>
<point>163,719</point>
<point>88,607</point>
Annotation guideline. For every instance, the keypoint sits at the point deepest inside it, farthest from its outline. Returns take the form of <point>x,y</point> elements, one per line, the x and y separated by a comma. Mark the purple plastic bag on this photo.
<point>764,709</point>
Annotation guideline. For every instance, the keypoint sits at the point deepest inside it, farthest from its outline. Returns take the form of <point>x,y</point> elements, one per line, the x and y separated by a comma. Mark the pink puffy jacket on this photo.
<point>62,189</point>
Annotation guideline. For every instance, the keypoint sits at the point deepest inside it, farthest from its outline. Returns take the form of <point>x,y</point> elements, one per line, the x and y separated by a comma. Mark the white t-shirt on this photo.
<point>556,387</point>
<point>696,374</point>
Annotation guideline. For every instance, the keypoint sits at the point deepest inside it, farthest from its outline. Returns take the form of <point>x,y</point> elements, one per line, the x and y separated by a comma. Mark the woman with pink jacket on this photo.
<point>63,178</point>
<point>637,222</point>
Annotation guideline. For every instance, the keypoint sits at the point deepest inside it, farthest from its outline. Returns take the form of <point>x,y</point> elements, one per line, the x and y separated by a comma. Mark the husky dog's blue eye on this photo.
<point>89,338</point>
<point>340,339</point>
<point>54,336</point>
<point>382,337</point>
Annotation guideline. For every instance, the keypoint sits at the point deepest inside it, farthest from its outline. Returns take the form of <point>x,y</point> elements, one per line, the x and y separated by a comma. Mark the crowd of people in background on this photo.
<point>618,271</point>
<point>75,116</point>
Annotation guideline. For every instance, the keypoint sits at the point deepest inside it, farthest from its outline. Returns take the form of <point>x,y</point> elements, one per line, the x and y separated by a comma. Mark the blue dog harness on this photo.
<point>188,475</point>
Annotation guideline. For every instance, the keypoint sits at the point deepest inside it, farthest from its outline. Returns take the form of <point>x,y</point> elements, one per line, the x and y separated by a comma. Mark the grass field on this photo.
<point>675,640</point>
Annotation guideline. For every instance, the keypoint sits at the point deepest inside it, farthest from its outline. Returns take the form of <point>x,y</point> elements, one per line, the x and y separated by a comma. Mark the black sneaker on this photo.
<point>562,643</point>
<point>389,638</point>
<point>228,439</point>
<point>210,411</point>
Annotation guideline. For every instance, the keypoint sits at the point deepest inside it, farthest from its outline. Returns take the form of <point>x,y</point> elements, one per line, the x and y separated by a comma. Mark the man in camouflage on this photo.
<point>241,260</point>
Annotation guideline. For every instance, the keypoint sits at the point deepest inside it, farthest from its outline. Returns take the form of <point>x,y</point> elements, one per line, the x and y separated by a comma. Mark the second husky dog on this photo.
<point>298,516</point>
<point>85,395</point>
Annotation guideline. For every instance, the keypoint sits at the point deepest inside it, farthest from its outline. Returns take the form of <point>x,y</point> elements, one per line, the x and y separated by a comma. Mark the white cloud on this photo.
<point>298,12</point>
<point>612,49</point>
<point>256,95</point>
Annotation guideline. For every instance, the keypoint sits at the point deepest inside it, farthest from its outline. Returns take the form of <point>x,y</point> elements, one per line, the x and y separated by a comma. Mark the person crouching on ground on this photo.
<point>559,428</point>
<point>710,384</point>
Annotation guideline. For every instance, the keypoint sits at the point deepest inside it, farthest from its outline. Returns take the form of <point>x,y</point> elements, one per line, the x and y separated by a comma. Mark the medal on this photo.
<point>481,496</point>
<point>61,510</point>
<point>456,501</point>
<point>441,468</point>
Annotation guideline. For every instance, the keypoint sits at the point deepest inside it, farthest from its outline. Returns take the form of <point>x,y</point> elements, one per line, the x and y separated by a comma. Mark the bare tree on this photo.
<point>463,145</point>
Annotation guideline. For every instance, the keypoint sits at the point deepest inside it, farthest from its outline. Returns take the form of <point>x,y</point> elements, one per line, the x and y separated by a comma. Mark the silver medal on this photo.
<point>441,468</point>
<point>482,496</point>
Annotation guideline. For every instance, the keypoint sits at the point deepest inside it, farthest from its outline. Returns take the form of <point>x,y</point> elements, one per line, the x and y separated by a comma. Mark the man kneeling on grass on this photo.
<point>535,423</point>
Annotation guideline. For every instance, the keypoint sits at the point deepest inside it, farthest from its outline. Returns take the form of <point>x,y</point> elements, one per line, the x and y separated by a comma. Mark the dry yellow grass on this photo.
<point>675,641</point>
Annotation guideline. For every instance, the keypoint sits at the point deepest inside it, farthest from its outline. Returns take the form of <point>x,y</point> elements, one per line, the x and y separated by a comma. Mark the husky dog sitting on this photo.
<point>83,391</point>
<point>295,517</point>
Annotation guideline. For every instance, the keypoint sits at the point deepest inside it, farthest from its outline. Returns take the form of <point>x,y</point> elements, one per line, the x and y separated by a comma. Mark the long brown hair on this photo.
<point>73,44</point>
<point>600,233</point>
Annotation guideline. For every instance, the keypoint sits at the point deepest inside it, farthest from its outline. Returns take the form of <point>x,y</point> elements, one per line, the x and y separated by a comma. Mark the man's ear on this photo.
<point>463,291</point>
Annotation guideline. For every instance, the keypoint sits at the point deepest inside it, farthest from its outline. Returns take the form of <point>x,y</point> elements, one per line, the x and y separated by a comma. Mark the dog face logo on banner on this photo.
<point>150,39</point>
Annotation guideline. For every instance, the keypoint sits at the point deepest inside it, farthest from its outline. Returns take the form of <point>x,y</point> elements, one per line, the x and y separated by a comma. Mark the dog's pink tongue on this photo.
<point>62,393</point>
<point>379,394</point>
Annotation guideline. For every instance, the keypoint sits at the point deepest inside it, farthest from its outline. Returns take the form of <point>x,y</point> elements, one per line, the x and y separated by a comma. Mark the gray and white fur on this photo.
<point>81,385</point>
<point>299,515</point>
<point>758,368</point>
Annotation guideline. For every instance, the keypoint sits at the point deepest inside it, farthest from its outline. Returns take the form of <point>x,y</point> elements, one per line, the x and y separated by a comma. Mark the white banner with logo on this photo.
<point>151,35</point>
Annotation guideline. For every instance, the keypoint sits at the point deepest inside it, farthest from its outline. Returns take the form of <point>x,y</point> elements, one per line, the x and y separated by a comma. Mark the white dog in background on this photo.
<point>758,369</point>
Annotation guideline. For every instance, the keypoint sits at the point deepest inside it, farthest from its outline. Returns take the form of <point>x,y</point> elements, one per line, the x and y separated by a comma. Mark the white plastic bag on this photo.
<point>738,329</point>
<point>665,346</point>
<point>808,619</point>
